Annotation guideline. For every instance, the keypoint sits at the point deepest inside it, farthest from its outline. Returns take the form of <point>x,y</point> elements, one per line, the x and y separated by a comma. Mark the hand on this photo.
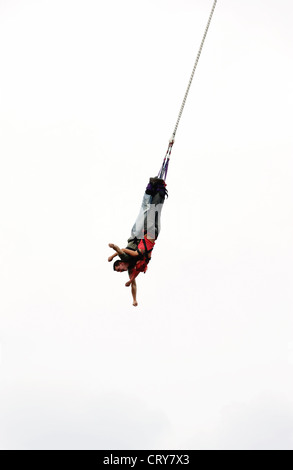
<point>128,283</point>
<point>135,304</point>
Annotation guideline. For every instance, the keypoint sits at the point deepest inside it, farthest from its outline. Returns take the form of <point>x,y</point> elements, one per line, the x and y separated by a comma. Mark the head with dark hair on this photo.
<point>120,266</point>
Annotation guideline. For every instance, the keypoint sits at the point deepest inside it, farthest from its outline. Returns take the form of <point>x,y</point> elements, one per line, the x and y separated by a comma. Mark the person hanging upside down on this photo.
<point>145,231</point>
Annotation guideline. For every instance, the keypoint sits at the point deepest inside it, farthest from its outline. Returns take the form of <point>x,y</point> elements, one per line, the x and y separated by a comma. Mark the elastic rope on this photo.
<point>194,67</point>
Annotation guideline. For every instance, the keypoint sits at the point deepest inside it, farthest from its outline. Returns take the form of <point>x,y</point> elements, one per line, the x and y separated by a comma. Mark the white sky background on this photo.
<point>90,92</point>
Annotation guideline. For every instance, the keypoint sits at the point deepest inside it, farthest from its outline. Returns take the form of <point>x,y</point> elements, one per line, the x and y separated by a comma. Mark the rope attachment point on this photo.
<point>164,168</point>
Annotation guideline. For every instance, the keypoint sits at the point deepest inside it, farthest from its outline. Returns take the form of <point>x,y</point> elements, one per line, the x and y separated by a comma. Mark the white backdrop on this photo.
<point>90,92</point>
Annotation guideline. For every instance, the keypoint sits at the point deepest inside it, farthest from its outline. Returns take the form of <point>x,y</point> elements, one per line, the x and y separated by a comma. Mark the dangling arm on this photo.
<point>134,273</point>
<point>133,292</point>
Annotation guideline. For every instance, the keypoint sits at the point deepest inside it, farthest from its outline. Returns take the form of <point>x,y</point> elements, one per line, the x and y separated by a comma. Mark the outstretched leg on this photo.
<point>116,248</point>
<point>112,257</point>
<point>133,292</point>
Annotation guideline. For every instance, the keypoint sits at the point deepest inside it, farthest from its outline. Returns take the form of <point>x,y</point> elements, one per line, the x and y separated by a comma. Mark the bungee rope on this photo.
<point>164,168</point>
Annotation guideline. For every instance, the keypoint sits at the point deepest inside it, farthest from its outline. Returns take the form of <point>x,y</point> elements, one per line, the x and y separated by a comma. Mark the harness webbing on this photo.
<point>145,255</point>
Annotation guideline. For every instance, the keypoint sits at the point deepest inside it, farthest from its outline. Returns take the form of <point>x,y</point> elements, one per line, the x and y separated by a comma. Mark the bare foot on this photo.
<point>110,258</point>
<point>115,247</point>
<point>135,304</point>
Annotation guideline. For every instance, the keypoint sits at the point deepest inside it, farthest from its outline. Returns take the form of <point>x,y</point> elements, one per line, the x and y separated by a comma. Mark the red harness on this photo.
<point>142,264</point>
